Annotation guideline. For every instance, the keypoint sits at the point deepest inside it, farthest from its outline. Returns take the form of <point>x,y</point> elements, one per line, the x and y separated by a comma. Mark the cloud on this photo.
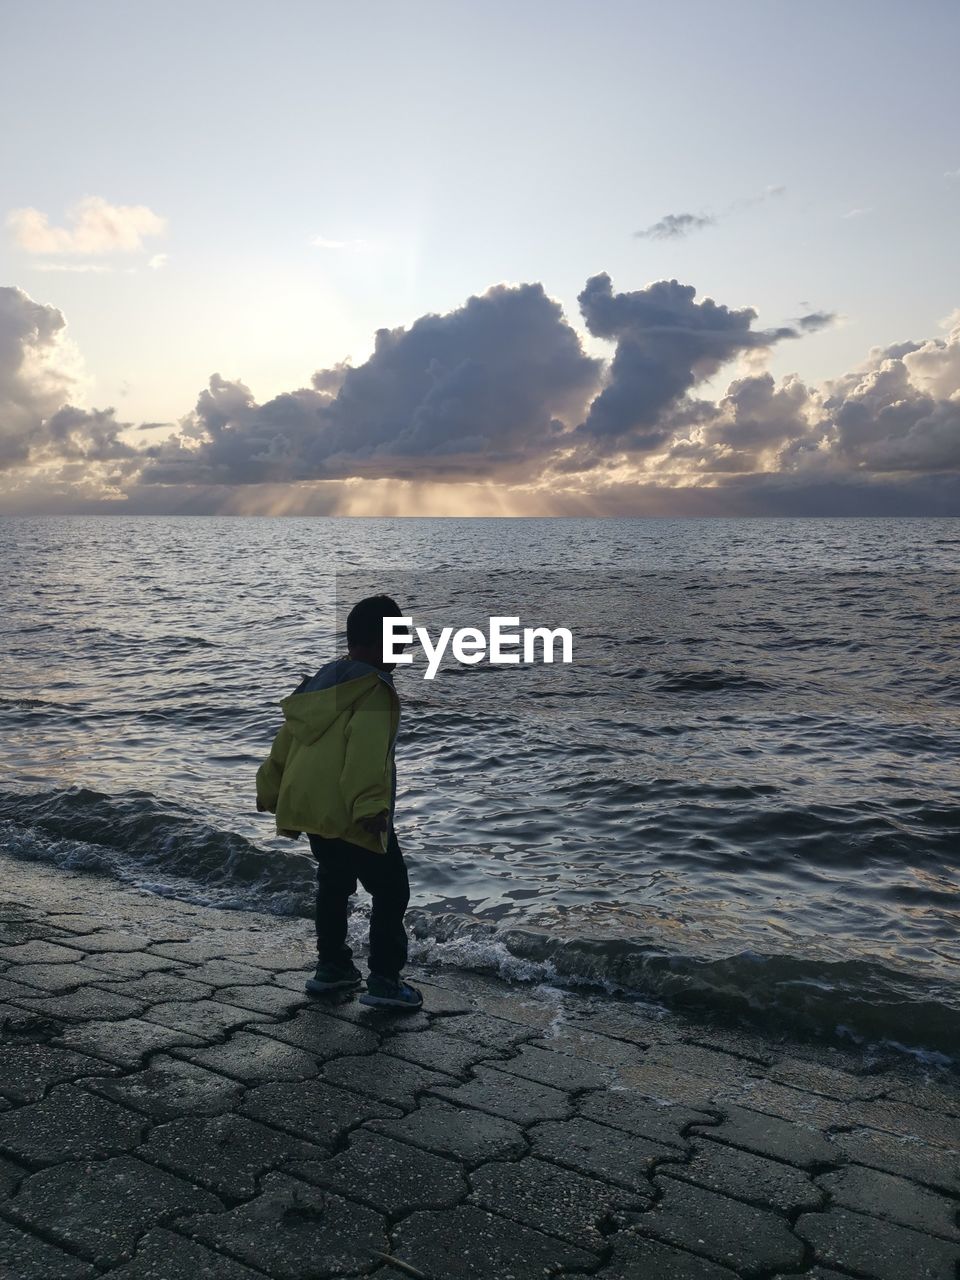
<point>495,407</point>
<point>667,343</point>
<point>485,389</point>
<point>814,321</point>
<point>674,226</point>
<point>40,372</point>
<point>97,227</point>
<point>157,262</point>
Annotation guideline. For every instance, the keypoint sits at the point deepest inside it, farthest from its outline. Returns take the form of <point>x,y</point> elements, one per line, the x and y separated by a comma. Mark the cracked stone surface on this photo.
<point>26,1257</point>
<point>69,1124</point>
<point>467,1242</point>
<point>389,1175</point>
<point>28,1070</point>
<point>549,1198</point>
<point>166,1255</point>
<point>606,1153</point>
<point>226,1154</point>
<point>175,1106</point>
<point>102,1208</point>
<point>739,1236</point>
<point>169,1088</point>
<point>869,1246</point>
<point>281,1230</point>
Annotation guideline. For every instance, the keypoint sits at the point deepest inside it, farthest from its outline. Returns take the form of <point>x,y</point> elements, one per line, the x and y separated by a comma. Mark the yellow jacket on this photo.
<point>331,763</point>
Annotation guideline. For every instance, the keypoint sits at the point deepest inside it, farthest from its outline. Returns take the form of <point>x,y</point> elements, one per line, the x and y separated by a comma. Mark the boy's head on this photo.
<point>365,629</point>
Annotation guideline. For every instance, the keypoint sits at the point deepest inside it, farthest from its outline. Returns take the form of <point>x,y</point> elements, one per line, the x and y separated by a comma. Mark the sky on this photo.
<point>622,258</point>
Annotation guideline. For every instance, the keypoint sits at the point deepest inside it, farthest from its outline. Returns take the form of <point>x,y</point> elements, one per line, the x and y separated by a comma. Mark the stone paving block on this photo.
<point>515,1006</point>
<point>885,1196</point>
<point>209,946</point>
<point>577,1043</point>
<point>15,932</point>
<point>227,1154</point>
<point>391,1176</point>
<point>941,1095</point>
<point>744,1176</point>
<point>16,990</point>
<point>449,1054</point>
<point>154,988</point>
<point>169,1088</point>
<point>439,1000</point>
<point>126,964</point>
<point>75,921</point>
<point>634,1113</point>
<point>557,1069</point>
<point>126,1042</point>
<point>909,1122</point>
<point>264,999</point>
<point>794,1104</point>
<point>52,977</point>
<point>551,1199</point>
<point>471,1244</point>
<point>253,1058</point>
<point>495,1033</point>
<point>636,1258</point>
<point>312,1109</point>
<point>587,1147</point>
<point>513,1097</point>
<point>633,1024</point>
<point>472,1136</point>
<point>832,1083</point>
<point>87,1004</point>
<point>101,1209</point>
<point>905,1157</point>
<point>770,1136</point>
<point>872,1247</point>
<point>295,1232</point>
<point>69,1124</point>
<point>380,1076</point>
<point>10,1175</point>
<point>220,973</point>
<point>320,1035</point>
<point>110,940</point>
<point>205,1019</point>
<point>733,1040</point>
<point>166,1255</point>
<point>815,1273</point>
<point>282,960</point>
<point>27,1071</point>
<point>39,951</point>
<point>736,1235</point>
<point>24,1257</point>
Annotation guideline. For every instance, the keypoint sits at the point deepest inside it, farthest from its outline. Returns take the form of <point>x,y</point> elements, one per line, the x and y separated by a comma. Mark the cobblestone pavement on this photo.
<point>173,1106</point>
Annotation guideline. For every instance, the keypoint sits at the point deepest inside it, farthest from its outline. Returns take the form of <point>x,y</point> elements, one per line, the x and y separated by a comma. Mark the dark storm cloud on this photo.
<point>490,386</point>
<point>500,390</point>
<point>666,344</point>
<point>675,226</point>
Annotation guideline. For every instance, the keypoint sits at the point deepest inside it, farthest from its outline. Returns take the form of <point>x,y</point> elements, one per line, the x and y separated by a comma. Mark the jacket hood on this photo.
<point>319,699</point>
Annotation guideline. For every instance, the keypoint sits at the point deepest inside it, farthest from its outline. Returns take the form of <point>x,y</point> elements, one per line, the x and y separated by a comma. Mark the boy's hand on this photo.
<point>376,824</point>
<point>261,807</point>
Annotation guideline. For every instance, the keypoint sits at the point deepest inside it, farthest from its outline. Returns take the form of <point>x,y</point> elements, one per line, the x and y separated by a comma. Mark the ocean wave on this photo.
<point>163,848</point>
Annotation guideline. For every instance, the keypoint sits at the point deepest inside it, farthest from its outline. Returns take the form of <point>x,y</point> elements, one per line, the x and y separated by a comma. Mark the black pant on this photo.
<point>384,876</point>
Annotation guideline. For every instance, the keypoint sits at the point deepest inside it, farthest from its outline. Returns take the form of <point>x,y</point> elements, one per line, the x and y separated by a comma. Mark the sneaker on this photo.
<point>390,991</point>
<point>334,977</point>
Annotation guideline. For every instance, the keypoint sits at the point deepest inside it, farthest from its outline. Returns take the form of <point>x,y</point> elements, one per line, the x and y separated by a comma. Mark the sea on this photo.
<point>741,795</point>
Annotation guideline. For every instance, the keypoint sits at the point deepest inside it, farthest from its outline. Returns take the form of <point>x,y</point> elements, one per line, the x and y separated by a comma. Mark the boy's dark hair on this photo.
<point>365,620</point>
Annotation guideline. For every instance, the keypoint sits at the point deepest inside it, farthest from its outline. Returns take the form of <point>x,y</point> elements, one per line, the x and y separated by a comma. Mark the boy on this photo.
<point>331,773</point>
